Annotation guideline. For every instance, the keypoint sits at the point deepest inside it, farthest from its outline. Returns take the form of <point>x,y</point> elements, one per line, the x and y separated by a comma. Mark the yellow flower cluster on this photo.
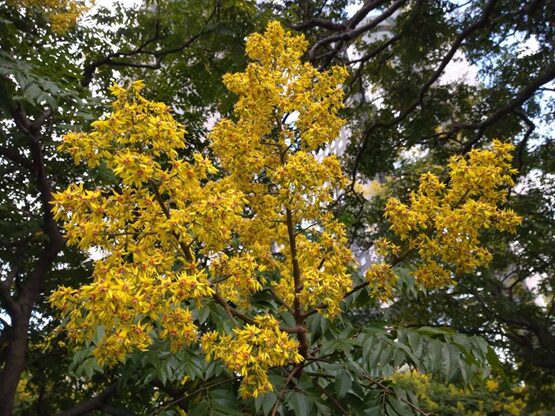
<point>145,225</point>
<point>125,309</point>
<point>381,279</point>
<point>62,14</point>
<point>285,111</point>
<point>452,399</point>
<point>443,222</point>
<point>251,351</point>
<point>25,393</point>
<point>174,231</point>
<point>238,277</point>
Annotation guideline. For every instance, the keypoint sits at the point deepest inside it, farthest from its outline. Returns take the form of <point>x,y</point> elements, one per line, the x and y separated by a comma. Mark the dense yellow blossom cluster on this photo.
<point>62,14</point>
<point>291,109</point>
<point>141,287</point>
<point>443,221</point>
<point>175,231</point>
<point>381,279</point>
<point>251,350</point>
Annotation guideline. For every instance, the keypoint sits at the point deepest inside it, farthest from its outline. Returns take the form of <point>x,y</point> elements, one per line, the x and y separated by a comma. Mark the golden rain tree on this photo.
<point>239,256</point>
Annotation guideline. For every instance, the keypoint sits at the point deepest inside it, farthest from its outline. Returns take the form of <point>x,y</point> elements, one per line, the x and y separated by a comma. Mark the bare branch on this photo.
<point>20,309</point>
<point>330,396</point>
<point>522,145</point>
<point>426,86</point>
<point>13,155</point>
<point>6,300</point>
<point>377,51</point>
<point>316,22</point>
<point>275,407</point>
<point>192,394</point>
<point>354,33</point>
<point>387,390</point>
<point>522,96</point>
<point>90,68</point>
<point>361,13</point>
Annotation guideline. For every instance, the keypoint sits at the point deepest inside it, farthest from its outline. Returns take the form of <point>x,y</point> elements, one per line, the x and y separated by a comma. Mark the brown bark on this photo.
<point>20,308</point>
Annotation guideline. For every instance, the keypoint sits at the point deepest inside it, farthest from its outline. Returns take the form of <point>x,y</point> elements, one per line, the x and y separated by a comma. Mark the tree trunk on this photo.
<point>14,362</point>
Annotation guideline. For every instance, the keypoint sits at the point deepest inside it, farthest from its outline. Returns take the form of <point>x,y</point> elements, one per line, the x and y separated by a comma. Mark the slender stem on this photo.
<point>280,301</point>
<point>189,256</point>
<point>231,310</point>
<point>330,396</point>
<point>184,247</point>
<point>185,397</point>
<point>297,278</point>
<point>362,285</point>
<point>297,368</point>
<point>387,390</point>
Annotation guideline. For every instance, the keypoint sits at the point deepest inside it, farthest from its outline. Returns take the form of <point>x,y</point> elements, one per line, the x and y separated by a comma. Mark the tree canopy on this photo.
<point>184,244</point>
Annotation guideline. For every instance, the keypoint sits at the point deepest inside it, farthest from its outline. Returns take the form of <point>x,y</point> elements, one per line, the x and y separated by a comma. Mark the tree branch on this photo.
<point>426,86</point>
<point>522,96</point>
<point>13,155</point>
<point>317,22</point>
<point>353,33</point>
<point>90,68</point>
<point>330,396</point>
<point>522,145</point>
<point>275,407</point>
<point>7,302</point>
<point>191,394</point>
<point>20,310</point>
<point>361,13</point>
<point>362,285</point>
<point>94,403</point>
<point>387,390</point>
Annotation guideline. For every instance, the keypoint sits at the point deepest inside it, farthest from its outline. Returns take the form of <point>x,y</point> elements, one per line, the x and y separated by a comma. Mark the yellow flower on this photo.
<point>442,223</point>
<point>251,351</point>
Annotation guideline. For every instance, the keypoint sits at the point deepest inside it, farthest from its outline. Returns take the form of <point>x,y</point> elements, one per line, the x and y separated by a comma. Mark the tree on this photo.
<point>189,257</point>
<point>181,49</point>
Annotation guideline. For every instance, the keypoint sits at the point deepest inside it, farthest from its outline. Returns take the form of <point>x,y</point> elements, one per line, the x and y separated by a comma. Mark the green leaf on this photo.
<point>386,356</point>
<point>434,354</point>
<point>368,344</point>
<point>162,374</point>
<point>428,330</point>
<point>299,403</point>
<point>415,342</point>
<point>465,371</point>
<point>88,368</point>
<point>390,411</point>
<point>399,407</point>
<point>374,411</point>
<point>203,314</point>
<point>493,360</point>
<point>450,356</point>
<point>268,402</point>
<point>343,383</point>
<point>373,359</point>
<point>224,399</point>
